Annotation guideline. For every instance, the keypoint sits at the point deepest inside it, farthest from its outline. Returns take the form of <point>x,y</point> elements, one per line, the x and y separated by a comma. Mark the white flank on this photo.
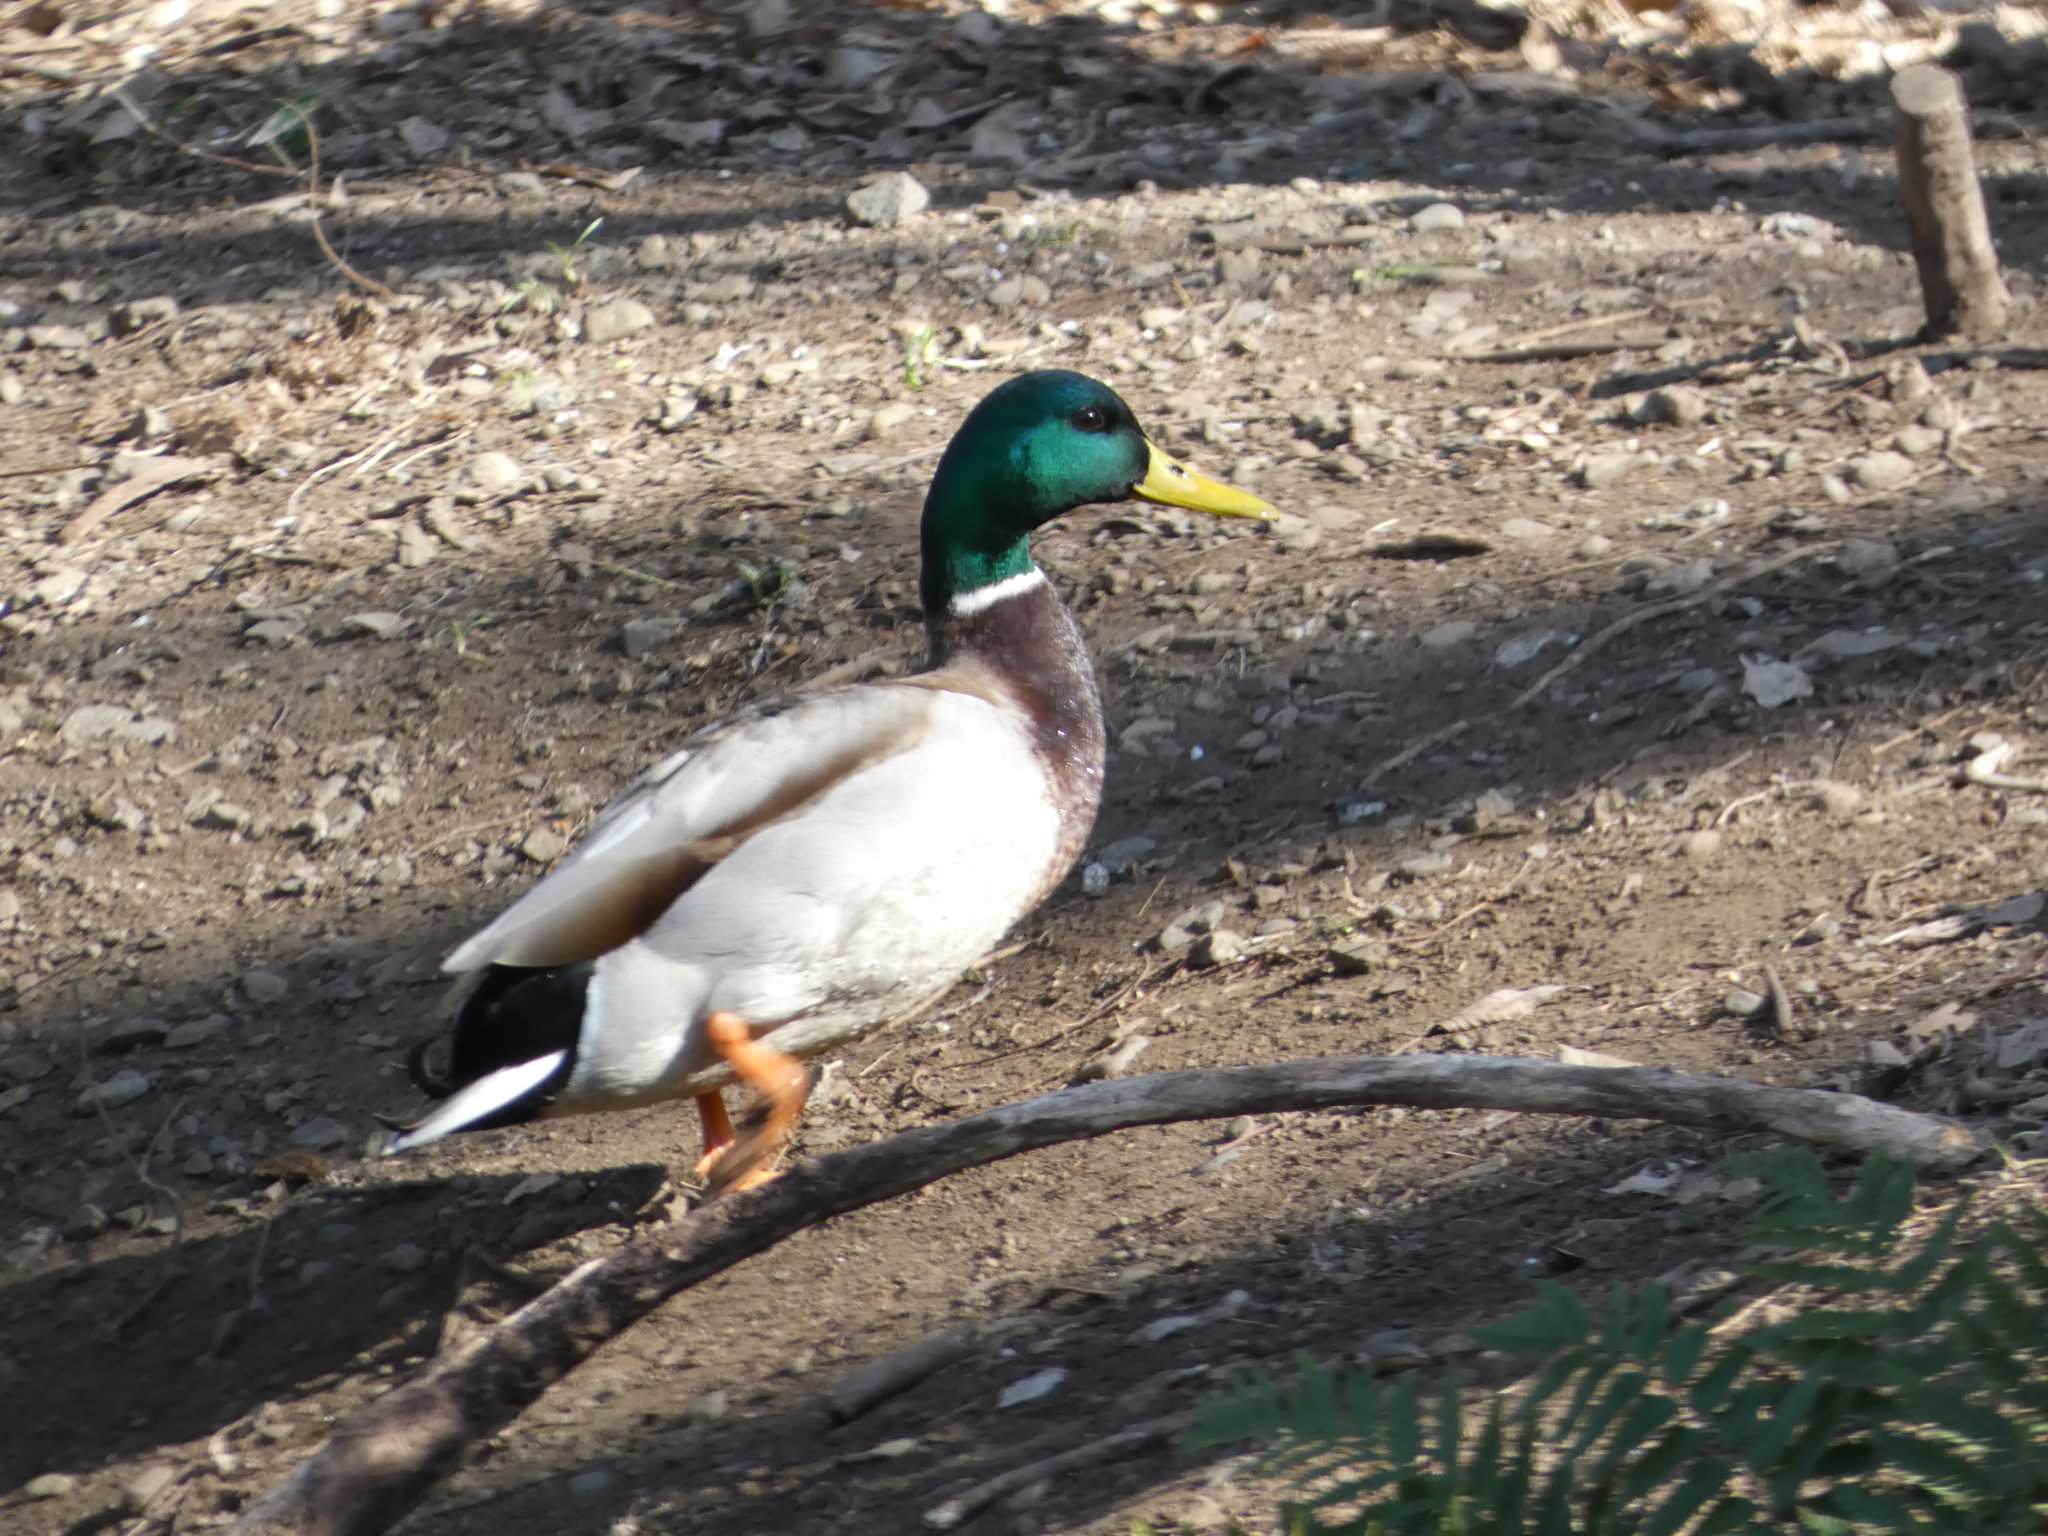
<point>966,605</point>
<point>482,1098</point>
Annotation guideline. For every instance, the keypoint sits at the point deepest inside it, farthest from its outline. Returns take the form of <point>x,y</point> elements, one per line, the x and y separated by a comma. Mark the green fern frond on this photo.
<point>1909,1395</point>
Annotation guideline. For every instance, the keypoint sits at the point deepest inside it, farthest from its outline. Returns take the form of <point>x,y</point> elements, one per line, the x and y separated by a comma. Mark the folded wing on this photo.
<point>690,811</point>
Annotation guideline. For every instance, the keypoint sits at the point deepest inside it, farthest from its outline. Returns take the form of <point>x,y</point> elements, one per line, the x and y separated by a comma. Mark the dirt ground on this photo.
<point>335,601</point>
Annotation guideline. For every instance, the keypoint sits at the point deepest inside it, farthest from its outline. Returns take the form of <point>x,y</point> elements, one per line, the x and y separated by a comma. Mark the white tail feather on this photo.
<point>478,1101</point>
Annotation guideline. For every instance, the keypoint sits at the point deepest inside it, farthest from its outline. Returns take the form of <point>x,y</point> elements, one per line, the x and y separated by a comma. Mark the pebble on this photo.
<point>195,1032</point>
<point>1882,471</point>
<point>1120,1058</point>
<point>1595,545</point>
<point>265,987</point>
<point>496,472</point>
<point>117,721</point>
<point>1436,217</point>
<point>1190,925</point>
<point>320,1133</point>
<point>1526,530</point>
<point>12,390</point>
<point>1449,634</point>
<point>887,418</point>
<point>1867,559</point>
<point>141,1490</point>
<point>141,313</point>
<point>59,588</point>
<point>1599,469</point>
<point>379,623</point>
<point>544,845</point>
<point>415,548</point>
<point>1743,1003</point>
<point>1676,405</point>
<point>1703,844</point>
<point>888,200</point>
<point>593,1484</point>
<point>51,1485</point>
<point>1031,1388</point>
<point>643,637</point>
<point>1842,802</point>
<point>615,321</point>
<point>406,1259</point>
<point>1217,947</point>
<point>116,1092</point>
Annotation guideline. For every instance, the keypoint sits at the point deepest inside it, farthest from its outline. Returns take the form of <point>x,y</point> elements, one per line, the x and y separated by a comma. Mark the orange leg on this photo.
<point>717,1131</point>
<point>732,1164</point>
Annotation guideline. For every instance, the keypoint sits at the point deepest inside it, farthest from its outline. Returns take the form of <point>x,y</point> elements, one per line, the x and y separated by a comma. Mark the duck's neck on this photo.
<point>1017,627</point>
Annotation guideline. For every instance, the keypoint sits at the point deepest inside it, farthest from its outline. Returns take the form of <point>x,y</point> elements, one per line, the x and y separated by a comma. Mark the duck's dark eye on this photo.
<point>1092,418</point>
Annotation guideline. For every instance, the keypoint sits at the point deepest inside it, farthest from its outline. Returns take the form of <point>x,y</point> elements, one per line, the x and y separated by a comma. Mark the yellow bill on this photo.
<point>1172,482</point>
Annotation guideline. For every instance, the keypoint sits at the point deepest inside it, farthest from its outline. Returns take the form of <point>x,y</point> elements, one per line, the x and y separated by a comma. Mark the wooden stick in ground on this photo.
<point>381,1461</point>
<point>1959,281</point>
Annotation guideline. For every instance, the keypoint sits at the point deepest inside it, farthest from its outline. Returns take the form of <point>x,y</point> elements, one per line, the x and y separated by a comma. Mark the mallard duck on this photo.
<point>795,877</point>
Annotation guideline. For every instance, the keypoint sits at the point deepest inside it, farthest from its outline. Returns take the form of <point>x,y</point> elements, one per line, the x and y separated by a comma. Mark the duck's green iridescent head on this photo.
<point>1038,446</point>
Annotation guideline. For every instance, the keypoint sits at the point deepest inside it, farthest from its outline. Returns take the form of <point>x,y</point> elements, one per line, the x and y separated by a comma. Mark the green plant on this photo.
<point>565,255</point>
<point>1909,1392</point>
<point>767,584</point>
<point>920,350</point>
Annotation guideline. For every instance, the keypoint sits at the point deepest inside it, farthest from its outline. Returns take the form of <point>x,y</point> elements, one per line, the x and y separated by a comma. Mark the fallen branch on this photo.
<point>381,1461</point>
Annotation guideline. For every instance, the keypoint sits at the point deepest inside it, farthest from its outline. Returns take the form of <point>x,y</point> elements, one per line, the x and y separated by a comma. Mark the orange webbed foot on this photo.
<point>730,1163</point>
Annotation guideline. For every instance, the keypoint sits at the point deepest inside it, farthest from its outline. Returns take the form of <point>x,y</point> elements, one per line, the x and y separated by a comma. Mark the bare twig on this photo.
<point>1139,1440</point>
<point>382,1461</point>
<point>1621,626</point>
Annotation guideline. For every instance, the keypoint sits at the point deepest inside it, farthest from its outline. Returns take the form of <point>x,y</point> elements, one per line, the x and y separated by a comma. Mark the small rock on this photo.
<point>130,318</point>
<point>141,1490</point>
<point>1191,924</point>
<point>1842,802</point>
<point>379,623</point>
<point>593,1484</point>
<point>1031,1388</point>
<point>496,472</point>
<point>1743,1003</point>
<point>1599,469</point>
<point>1594,546</point>
<point>415,548</point>
<point>618,319</point>
<point>887,418</point>
<point>1436,217</point>
<point>116,1092</point>
<point>320,1133</point>
<point>1119,1059</point>
<point>544,845</point>
<point>60,587</point>
<point>1357,958</point>
<point>1675,405</point>
<point>1217,947</point>
<point>85,1223</point>
<point>93,721</point>
<point>643,637</point>
<point>1703,844</point>
<point>51,1485</point>
<point>275,633</point>
<point>265,987</point>
<point>1882,471</point>
<point>1867,559</point>
<point>406,1259</point>
<point>195,1032</point>
<point>888,200</point>
<point>1526,530</point>
<point>223,816</point>
<point>1450,633</point>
